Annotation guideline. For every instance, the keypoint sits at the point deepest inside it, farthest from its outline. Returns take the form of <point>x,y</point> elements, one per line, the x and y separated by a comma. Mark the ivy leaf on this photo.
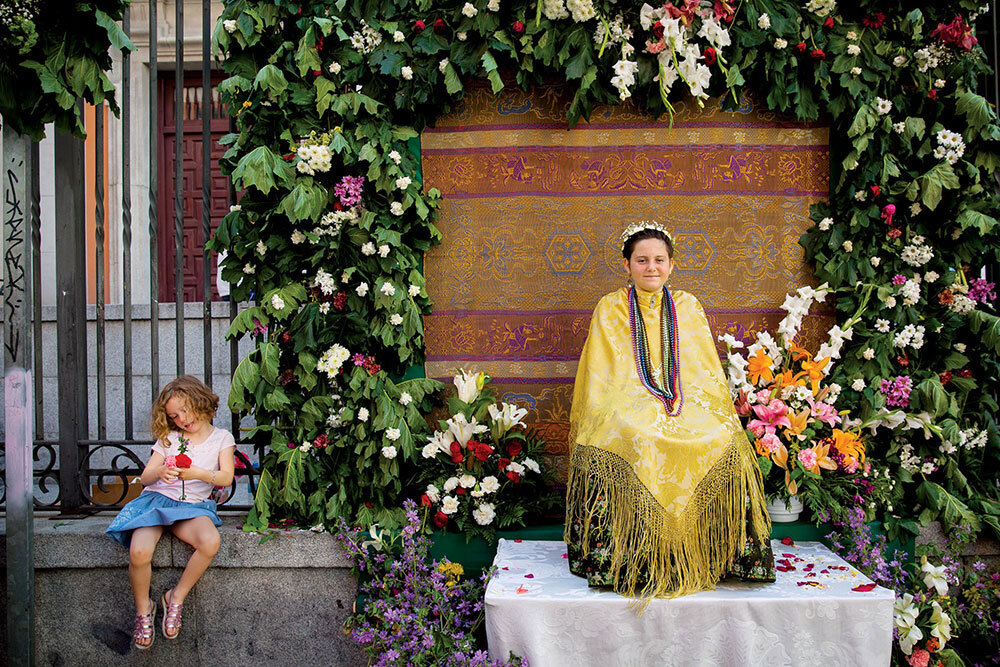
<point>933,396</point>
<point>245,321</point>
<point>952,510</point>
<point>116,35</point>
<point>975,107</point>
<point>270,357</point>
<point>976,220</point>
<point>306,57</point>
<point>325,93</point>
<point>270,80</point>
<point>245,379</point>
<point>262,169</point>
<point>304,202</point>
<point>261,510</point>
<point>291,490</point>
<point>864,120</point>
<point>276,399</point>
<point>451,81</point>
<point>988,328</point>
<point>490,65</point>
<point>916,127</point>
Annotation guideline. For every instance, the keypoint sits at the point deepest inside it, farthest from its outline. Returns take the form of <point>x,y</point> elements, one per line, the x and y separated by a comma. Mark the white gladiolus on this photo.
<point>504,419</point>
<point>463,430</point>
<point>469,385</point>
<point>935,577</point>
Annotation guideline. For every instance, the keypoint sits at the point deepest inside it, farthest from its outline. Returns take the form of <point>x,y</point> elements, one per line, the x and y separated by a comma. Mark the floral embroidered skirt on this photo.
<point>755,562</point>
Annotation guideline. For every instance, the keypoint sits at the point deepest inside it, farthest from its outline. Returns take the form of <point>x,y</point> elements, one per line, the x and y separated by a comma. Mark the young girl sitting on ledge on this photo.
<point>189,458</point>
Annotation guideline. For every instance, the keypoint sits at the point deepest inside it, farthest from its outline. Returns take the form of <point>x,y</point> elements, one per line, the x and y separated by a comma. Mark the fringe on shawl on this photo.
<point>678,556</point>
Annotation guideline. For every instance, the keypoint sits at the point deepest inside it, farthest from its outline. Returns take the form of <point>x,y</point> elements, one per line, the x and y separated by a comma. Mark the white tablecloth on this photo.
<point>810,617</point>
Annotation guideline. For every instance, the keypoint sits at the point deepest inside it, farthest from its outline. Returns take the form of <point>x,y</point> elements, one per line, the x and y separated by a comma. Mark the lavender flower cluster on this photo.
<point>416,613</point>
<point>856,544</point>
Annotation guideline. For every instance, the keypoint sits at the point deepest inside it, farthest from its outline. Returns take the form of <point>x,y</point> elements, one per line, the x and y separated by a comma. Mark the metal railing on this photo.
<point>80,468</point>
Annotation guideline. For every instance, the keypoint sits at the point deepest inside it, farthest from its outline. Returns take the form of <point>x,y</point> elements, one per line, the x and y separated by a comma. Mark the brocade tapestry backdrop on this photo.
<point>532,214</point>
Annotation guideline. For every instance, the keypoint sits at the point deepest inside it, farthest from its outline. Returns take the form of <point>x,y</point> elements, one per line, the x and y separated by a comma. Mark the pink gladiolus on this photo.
<point>807,458</point>
<point>770,416</point>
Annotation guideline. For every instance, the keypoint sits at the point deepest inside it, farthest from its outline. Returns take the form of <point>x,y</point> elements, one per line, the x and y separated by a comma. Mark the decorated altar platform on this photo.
<point>821,610</point>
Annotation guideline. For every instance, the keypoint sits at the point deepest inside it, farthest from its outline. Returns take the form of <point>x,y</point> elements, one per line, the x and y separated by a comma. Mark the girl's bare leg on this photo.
<point>139,565</point>
<point>201,534</point>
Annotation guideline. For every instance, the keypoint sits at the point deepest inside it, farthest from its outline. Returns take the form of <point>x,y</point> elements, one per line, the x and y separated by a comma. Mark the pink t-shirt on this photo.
<point>203,455</point>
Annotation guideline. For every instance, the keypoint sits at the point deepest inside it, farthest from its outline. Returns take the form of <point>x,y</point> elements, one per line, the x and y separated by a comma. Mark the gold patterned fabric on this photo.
<point>681,492</point>
<point>532,211</point>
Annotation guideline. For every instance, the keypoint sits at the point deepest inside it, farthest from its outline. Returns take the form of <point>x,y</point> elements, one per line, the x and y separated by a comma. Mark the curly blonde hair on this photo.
<point>195,393</point>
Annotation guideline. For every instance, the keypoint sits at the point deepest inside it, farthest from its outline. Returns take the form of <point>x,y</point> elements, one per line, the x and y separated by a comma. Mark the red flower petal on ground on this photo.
<point>787,541</point>
<point>864,588</point>
<point>529,576</point>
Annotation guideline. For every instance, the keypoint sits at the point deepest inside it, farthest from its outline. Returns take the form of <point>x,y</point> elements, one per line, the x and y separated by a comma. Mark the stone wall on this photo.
<point>282,602</point>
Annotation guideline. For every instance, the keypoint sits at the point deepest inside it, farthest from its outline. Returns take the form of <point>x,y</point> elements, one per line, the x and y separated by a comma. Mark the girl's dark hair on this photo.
<point>642,235</point>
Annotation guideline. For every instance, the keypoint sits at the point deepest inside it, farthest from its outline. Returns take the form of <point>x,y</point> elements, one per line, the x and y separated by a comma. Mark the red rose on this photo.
<point>709,56</point>
<point>321,441</point>
<point>518,27</point>
<point>503,463</point>
<point>425,500</point>
<point>658,30</point>
<point>418,27</point>
<point>439,26</point>
<point>787,541</point>
<point>460,491</point>
<point>440,519</point>
<point>514,448</point>
<point>876,190</point>
<point>932,94</point>
<point>801,46</point>
<point>480,450</point>
<point>513,476</point>
<point>817,54</point>
<point>183,461</point>
<point>965,373</point>
<point>828,23</point>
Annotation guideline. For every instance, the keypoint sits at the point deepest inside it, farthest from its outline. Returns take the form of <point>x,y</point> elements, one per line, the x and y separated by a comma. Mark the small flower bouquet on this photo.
<point>413,610</point>
<point>482,473</point>
<point>788,409</point>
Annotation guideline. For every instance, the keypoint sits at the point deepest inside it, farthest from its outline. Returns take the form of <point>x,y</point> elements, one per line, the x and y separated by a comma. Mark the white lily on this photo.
<point>905,617</point>
<point>463,430</point>
<point>377,538</point>
<point>941,623</point>
<point>441,441</point>
<point>469,385</point>
<point>935,577</point>
<point>504,419</point>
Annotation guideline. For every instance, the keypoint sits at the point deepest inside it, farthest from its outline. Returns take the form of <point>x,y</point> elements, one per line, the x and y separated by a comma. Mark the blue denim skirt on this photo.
<point>155,509</point>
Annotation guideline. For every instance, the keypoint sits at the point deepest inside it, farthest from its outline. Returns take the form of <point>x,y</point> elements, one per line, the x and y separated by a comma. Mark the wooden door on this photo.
<point>193,236</point>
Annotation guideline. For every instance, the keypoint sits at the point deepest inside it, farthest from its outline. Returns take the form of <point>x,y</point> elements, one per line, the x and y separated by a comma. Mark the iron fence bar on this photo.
<point>102,380</point>
<point>179,182</point>
<point>234,350</point>
<point>206,180</point>
<point>154,266</point>
<point>35,208</point>
<point>127,225</point>
<point>71,313</point>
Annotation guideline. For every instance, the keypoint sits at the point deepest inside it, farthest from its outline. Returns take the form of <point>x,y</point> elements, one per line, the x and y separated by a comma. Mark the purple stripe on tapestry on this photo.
<point>640,193</point>
<point>614,148</point>
<point>615,126</point>
<point>502,357</point>
<point>497,380</point>
<point>530,313</point>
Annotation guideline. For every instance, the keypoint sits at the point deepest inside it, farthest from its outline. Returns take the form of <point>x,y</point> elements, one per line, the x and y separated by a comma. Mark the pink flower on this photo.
<point>824,412</point>
<point>888,211</point>
<point>807,458</point>
<point>898,279</point>
<point>655,47</point>
<point>770,442</point>
<point>919,658</point>
<point>770,416</point>
<point>171,461</point>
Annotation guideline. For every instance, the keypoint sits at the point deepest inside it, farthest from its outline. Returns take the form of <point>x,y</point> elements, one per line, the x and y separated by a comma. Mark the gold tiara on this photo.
<point>643,225</point>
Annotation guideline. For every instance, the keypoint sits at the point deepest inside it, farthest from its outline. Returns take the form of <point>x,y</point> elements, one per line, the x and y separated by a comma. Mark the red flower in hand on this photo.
<point>183,461</point>
<point>440,519</point>
<point>710,56</point>
<point>518,27</point>
<point>418,27</point>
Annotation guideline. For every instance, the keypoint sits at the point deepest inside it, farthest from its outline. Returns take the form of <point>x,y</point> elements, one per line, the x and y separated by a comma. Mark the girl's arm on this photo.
<point>221,477</point>
<point>156,469</point>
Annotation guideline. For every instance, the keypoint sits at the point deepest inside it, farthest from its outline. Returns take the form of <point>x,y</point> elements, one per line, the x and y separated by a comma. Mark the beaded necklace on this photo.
<point>670,393</point>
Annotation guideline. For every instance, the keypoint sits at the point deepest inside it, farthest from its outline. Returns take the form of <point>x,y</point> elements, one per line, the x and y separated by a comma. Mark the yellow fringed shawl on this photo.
<point>677,488</point>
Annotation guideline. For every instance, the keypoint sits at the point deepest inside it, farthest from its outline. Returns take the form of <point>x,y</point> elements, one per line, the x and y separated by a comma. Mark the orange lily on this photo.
<point>759,366</point>
<point>789,378</point>
<point>798,421</point>
<point>849,445</point>
<point>815,371</point>
<point>780,457</point>
<point>799,353</point>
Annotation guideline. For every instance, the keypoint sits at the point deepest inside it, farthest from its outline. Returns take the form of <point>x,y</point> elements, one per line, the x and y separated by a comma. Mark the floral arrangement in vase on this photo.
<point>482,470</point>
<point>804,446</point>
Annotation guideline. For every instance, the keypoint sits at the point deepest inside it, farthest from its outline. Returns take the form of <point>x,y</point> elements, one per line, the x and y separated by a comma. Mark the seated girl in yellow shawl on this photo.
<point>665,496</point>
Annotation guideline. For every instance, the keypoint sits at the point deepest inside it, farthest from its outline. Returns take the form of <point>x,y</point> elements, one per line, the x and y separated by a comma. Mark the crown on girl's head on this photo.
<point>643,225</point>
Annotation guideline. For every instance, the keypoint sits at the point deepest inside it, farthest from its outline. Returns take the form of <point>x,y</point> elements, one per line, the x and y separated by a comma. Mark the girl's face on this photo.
<point>650,265</point>
<point>183,417</point>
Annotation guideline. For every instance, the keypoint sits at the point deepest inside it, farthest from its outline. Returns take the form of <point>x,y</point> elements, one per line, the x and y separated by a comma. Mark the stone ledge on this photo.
<point>81,543</point>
